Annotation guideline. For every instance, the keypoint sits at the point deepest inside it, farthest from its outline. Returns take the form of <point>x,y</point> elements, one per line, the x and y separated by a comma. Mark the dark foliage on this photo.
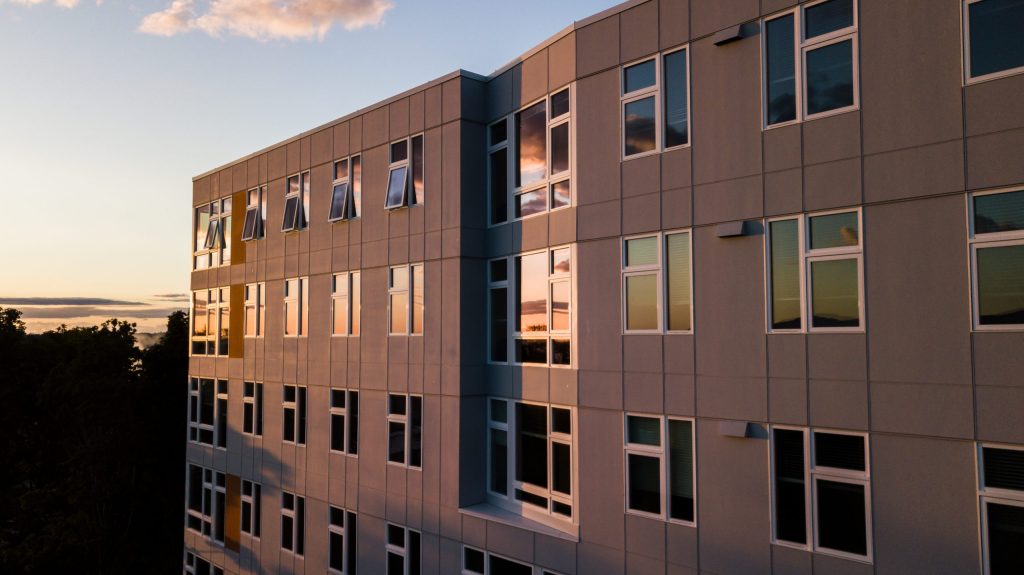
<point>91,445</point>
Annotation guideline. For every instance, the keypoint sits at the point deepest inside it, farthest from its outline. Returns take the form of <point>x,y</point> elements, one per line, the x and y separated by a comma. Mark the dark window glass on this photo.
<point>561,420</point>
<point>247,418</point>
<point>396,564</point>
<point>396,442</point>
<point>780,64</point>
<point>532,350</point>
<point>841,517</point>
<point>499,410</point>
<point>416,429</point>
<point>474,560</point>
<point>337,517</point>
<point>643,430</point>
<point>644,483</point>
<point>1005,539</point>
<point>195,488</point>
<point>531,145</point>
<point>561,468</point>
<point>249,225</point>
<point>561,508</point>
<point>638,76</point>
<point>995,34</point>
<point>531,203</point>
<point>499,270</point>
<point>337,551</point>
<point>499,324</point>
<point>396,187</point>
<point>561,194</point>
<point>501,566</point>
<point>246,517</point>
<point>289,390</point>
<point>414,553</point>
<point>499,132</point>
<point>834,289</point>
<point>300,526</point>
<point>337,432</point>
<point>839,451</point>
<point>1004,468</point>
<point>785,271</point>
<point>499,186</point>
<point>560,352</point>
<point>532,499</point>
<point>499,461</point>
<point>560,103</point>
<point>287,537</point>
<point>560,148</point>
<point>532,444</point>
<point>830,77</point>
<point>396,404</point>
<point>289,424</point>
<point>790,486</point>
<point>222,423</point>
<point>302,415</point>
<point>638,126</point>
<point>999,212</point>
<point>680,444</point>
<point>338,200</point>
<point>826,17</point>
<point>399,151</point>
<point>676,87</point>
<point>677,259</point>
<point>259,409</point>
<point>352,535</point>
<point>206,397</point>
<point>417,171</point>
<point>353,423</point>
<point>834,230</point>
<point>396,536</point>
<point>291,213</point>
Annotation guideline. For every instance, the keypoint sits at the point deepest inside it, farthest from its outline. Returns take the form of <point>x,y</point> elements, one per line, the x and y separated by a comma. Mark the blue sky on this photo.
<point>103,125</point>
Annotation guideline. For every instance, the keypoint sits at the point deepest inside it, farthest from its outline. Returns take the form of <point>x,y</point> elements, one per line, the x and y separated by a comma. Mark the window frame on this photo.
<point>300,407</point>
<point>965,52</point>
<point>410,293</point>
<point>408,191</point>
<point>351,208</point>
<point>258,304</point>
<point>663,453</point>
<point>213,485</point>
<point>303,204</point>
<point>217,309</point>
<point>636,96</point>
<point>996,495</point>
<point>349,419</point>
<point>299,299</point>
<point>404,551</point>
<point>255,400</point>
<point>407,422</point>
<point>347,530</point>
<point>218,254</point>
<point>220,415</point>
<point>657,269</point>
<point>989,240</point>
<point>534,569</point>
<point>353,302</point>
<point>801,47</point>
<point>259,210</point>
<point>254,501</point>
<point>297,513</point>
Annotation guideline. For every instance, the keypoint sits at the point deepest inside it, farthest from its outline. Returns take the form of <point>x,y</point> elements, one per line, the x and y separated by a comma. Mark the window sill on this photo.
<point>494,513</point>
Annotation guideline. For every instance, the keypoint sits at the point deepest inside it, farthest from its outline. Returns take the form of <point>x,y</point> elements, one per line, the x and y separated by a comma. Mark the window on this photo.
<point>997,259</point>
<point>296,203</point>
<point>655,104</point>
<point>345,297</point>
<point>535,164</point>
<point>208,412</point>
<point>296,309</point>
<point>255,304</point>
<point>211,321</point>
<point>212,233</point>
<point>194,565</point>
<point>477,562</point>
<point>207,501</point>
<point>345,406</point>
<point>1001,497</point>
<point>405,173</point>
<point>405,305</point>
<point>815,269</point>
<point>992,46</point>
<point>341,529</point>
<point>255,214</point>
<point>810,62</point>
<point>252,409</point>
<point>656,283</point>
<point>250,508</point>
<point>405,430</point>
<point>403,550</point>
<point>347,190</point>
<point>293,523</point>
<point>294,405</point>
<point>822,488</point>
<point>649,474</point>
<point>542,300</point>
<point>537,476</point>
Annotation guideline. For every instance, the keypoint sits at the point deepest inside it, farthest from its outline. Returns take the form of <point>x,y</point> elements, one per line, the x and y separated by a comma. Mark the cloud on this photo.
<point>264,19</point>
<point>61,3</point>
<point>64,301</point>
<point>79,311</point>
<point>173,297</point>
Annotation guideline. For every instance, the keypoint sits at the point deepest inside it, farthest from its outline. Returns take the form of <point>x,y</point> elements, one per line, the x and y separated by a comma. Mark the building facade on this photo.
<point>692,287</point>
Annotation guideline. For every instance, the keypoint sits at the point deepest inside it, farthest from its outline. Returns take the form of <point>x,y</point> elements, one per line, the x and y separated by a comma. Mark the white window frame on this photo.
<point>297,513</point>
<point>664,454</point>
<point>657,269</point>
<point>998,496</point>
<point>216,248</point>
<point>635,96</point>
<point>300,408</point>
<point>351,283</point>
<point>487,563</point>
<point>299,299</point>
<point>509,501</point>
<point>493,147</point>
<point>410,291</point>
<point>813,472</point>
<point>256,204</point>
<point>990,240</point>
<point>256,302</point>
<point>801,272</point>
<point>254,501</point>
<point>505,284</point>
<point>351,396</point>
<point>253,402</point>
<point>406,421</point>
<point>214,484</point>
<point>303,194</point>
<point>965,31</point>
<point>350,210</point>
<point>689,124</point>
<point>218,300</point>
<point>408,191</point>
<point>800,49</point>
<point>403,551</point>
<point>191,564</point>
<point>346,530</point>
<point>195,425</point>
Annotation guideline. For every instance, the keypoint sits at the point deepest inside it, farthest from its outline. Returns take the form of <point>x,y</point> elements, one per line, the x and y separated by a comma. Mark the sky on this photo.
<point>108,108</point>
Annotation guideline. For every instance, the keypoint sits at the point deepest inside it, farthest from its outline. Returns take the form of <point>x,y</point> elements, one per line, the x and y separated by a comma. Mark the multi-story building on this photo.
<point>691,287</point>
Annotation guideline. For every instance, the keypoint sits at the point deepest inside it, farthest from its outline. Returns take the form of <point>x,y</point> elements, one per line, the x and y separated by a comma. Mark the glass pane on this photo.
<point>499,186</point>
<point>790,492</point>
<point>499,410</point>
<point>830,77</point>
<point>532,282</point>
<point>834,287</point>
<point>499,270</point>
<point>677,260</point>
<point>249,224</point>
<point>561,261</point>
<point>531,203</point>
<point>638,126</point>
<point>293,185</point>
<point>834,231</point>
<point>202,224</point>
<point>417,170</point>
<point>500,566</point>
<point>499,324</point>
<point>291,312</point>
<point>561,420</point>
<point>499,461</point>
<point>340,169</point>
<point>643,430</point>
<point>1005,538</point>
<point>1004,468</point>
<point>532,444</point>
<point>841,517</point>
<point>355,303</point>
<point>561,194</point>
<point>638,76</point>
<point>396,404</point>
<point>415,430</point>
<point>396,564</point>
<point>287,537</point>
<point>1001,285</point>
<point>399,278</point>
<point>780,73</point>
<point>560,148</point>
<point>999,212</point>
<point>676,87</point>
<point>561,468</point>
<point>785,272</point>
<point>995,31</point>
<point>396,442</point>
<point>680,472</point>
<point>399,312</point>
<point>337,551</point>
<point>291,212</point>
<point>531,145</point>
<point>839,450</point>
<point>560,103</point>
<point>642,252</point>
<point>338,200</point>
<point>396,187</point>
<point>826,17</point>
<point>560,352</point>
<point>642,302</point>
<point>532,350</point>
<point>644,483</point>
<point>399,151</point>
<point>560,306</point>
<point>417,299</point>
<point>337,432</point>
<point>499,132</point>
<point>206,406</point>
<point>357,187</point>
